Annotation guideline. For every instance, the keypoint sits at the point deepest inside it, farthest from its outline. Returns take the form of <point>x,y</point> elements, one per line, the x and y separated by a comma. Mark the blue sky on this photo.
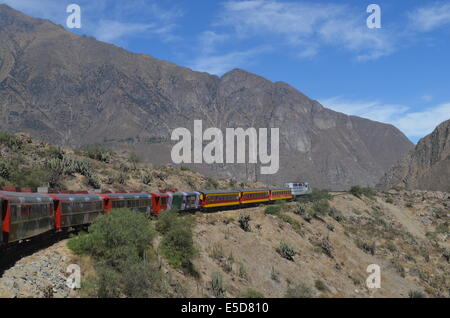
<point>398,74</point>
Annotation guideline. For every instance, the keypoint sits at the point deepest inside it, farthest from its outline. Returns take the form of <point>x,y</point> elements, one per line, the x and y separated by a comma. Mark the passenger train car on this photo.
<point>25,215</point>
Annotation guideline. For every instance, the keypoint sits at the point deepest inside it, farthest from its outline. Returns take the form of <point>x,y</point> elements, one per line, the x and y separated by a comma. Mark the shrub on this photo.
<point>272,210</point>
<point>366,247</point>
<point>330,227</point>
<point>146,178</point>
<point>4,169</point>
<point>320,285</point>
<point>335,214</point>
<point>321,207</point>
<point>244,220</point>
<point>99,152</point>
<point>409,204</point>
<point>120,244</point>
<point>299,291</point>
<point>359,191</point>
<point>134,159</point>
<point>251,293</point>
<point>10,140</point>
<point>286,251</point>
<point>30,177</point>
<point>317,195</point>
<point>390,200</point>
<point>177,244</point>
<point>120,236</point>
<point>216,285</point>
<point>416,294</point>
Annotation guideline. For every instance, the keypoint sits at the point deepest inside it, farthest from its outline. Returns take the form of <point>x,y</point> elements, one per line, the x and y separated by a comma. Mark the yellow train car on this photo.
<point>219,198</point>
<point>280,194</point>
<point>251,196</point>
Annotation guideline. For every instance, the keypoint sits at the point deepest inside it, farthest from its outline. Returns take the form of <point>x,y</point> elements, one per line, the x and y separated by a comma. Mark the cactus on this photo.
<point>146,178</point>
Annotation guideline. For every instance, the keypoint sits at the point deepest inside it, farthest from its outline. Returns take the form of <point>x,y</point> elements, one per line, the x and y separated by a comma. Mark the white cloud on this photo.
<point>109,21</point>
<point>110,31</point>
<point>430,17</point>
<point>374,110</point>
<point>307,27</point>
<point>421,123</point>
<point>221,63</point>
<point>414,124</point>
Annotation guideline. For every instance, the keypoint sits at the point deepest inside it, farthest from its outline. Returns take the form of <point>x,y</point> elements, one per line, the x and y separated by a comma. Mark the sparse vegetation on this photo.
<point>359,192</point>
<point>216,285</point>
<point>286,251</point>
<point>121,245</point>
<point>299,291</point>
<point>320,286</point>
<point>99,152</point>
<point>244,220</point>
<point>416,294</point>
<point>272,210</point>
<point>177,244</point>
<point>251,293</point>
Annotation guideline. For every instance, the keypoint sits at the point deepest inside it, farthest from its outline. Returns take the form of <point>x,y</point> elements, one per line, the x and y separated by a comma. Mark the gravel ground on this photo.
<point>42,274</point>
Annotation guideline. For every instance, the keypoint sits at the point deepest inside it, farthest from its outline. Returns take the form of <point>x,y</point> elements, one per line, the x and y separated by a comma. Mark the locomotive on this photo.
<point>28,214</point>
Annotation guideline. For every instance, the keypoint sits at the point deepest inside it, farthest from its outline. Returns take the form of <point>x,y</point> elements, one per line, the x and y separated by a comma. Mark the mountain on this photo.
<point>426,167</point>
<point>74,90</point>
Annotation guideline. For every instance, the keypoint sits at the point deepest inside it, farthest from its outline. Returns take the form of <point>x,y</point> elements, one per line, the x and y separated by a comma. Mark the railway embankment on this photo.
<point>319,248</point>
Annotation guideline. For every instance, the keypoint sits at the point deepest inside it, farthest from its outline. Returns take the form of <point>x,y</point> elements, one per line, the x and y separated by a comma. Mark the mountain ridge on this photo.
<point>73,90</point>
<point>426,167</point>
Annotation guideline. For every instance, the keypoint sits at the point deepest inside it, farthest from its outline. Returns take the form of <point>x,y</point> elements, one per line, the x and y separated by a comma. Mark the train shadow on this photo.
<point>10,255</point>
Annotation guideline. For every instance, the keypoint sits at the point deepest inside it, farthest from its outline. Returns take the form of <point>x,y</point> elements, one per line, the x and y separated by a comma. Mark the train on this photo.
<point>27,214</point>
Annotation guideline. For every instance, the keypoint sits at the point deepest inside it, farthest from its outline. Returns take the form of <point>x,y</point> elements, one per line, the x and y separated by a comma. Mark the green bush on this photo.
<point>366,247</point>
<point>4,169</point>
<point>390,200</point>
<point>99,152</point>
<point>216,285</point>
<point>359,191</point>
<point>251,293</point>
<point>272,210</point>
<point>317,195</point>
<point>177,244</point>
<point>10,140</point>
<point>416,294</point>
<point>286,251</point>
<point>335,214</point>
<point>121,246</point>
<point>121,236</point>
<point>321,207</point>
<point>299,291</point>
<point>320,285</point>
<point>244,220</point>
<point>30,177</point>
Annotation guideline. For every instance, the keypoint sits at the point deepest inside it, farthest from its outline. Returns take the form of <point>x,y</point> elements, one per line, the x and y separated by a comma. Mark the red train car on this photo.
<point>161,202</point>
<point>25,215</point>
<point>72,210</point>
<point>136,201</point>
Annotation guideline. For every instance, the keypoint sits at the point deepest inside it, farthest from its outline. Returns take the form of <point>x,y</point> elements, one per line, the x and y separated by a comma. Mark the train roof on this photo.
<point>186,193</point>
<point>219,191</point>
<point>255,189</point>
<point>76,197</point>
<point>124,196</point>
<point>281,188</point>
<point>24,197</point>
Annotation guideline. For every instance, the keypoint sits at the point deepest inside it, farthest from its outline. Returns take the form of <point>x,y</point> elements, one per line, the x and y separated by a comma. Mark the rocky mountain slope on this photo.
<point>406,233</point>
<point>73,90</point>
<point>427,166</point>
